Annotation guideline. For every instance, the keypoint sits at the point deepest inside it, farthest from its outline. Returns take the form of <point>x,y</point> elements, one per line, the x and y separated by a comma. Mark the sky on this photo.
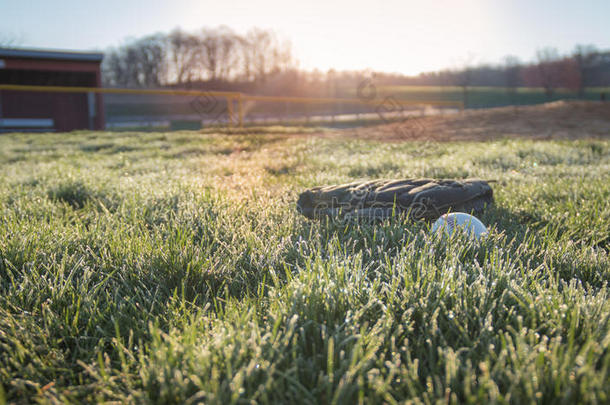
<point>402,36</point>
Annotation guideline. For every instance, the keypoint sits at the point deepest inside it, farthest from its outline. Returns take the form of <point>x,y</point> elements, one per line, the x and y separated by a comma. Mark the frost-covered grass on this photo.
<point>174,268</point>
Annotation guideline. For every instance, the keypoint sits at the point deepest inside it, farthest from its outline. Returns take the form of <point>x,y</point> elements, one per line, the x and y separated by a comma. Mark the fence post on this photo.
<point>92,108</point>
<point>230,111</point>
<point>240,111</point>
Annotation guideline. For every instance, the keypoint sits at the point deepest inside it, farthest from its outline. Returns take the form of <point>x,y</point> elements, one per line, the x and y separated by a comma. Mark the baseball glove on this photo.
<point>379,199</point>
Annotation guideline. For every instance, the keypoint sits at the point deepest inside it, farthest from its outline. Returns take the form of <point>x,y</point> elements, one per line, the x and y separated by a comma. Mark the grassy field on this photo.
<point>144,108</point>
<point>174,268</point>
<point>484,97</point>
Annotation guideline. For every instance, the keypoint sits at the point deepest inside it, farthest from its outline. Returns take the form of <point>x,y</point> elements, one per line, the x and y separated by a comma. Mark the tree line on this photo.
<point>180,58</point>
<point>584,67</point>
<point>259,61</point>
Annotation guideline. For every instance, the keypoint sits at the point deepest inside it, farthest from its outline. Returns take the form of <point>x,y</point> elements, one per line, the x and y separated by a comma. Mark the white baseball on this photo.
<point>467,223</point>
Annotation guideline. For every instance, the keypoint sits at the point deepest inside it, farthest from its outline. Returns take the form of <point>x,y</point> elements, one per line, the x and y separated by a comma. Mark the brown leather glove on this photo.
<point>378,199</point>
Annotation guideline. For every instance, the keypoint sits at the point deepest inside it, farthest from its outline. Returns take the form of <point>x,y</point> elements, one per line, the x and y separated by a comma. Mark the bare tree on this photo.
<point>229,53</point>
<point>183,52</point>
<point>463,77</point>
<point>150,53</point>
<point>549,69</point>
<point>585,59</point>
<point>213,54</point>
<point>245,57</point>
<point>264,54</point>
<point>259,46</point>
<point>137,64</point>
<point>113,69</point>
<point>512,68</point>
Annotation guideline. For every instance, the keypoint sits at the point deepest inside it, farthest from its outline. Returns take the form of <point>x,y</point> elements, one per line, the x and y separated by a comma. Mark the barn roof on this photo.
<point>51,54</point>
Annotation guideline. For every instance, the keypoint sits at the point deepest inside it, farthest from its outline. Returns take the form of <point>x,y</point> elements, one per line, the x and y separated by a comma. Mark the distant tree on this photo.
<point>219,52</point>
<point>549,69</point>
<point>443,79</point>
<point>463,78</point>
<point>140,63</point>
<point>184,53</point>
<point>263,54</point>
<point>570,77</point>
<point>283,60</point>
<point>229,53</point>
<point>150,56</point>
<point>331,83</point>
<point>245,59</point>
<point>211,55</point>
<point>585,58</point>
<point>113,69</point>
<point>258,46</point>
<point>512,68</point>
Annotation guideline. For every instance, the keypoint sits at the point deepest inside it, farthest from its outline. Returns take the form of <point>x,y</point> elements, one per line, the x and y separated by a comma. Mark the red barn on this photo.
<point>48,111</point>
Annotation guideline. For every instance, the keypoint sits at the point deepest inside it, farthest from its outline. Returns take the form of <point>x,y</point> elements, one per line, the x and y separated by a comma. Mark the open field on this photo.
<point>168,111</point>
<point>485,97</point>
<point>174,268</point>
<point>556,120</point>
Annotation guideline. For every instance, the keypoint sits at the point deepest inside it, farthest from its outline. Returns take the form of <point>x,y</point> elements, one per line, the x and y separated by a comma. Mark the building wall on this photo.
<point>69,111</point>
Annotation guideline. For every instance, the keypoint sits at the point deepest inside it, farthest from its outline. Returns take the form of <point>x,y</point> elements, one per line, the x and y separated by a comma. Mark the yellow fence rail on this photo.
<point>231,97</point>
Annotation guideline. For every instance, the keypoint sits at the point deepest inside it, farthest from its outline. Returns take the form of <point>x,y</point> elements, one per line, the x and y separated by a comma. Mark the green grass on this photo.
<point>174,268</point>
<point>483,97</point>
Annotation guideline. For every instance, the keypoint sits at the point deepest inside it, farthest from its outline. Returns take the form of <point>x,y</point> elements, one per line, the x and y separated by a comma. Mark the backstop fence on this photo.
<point>194,109</point>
